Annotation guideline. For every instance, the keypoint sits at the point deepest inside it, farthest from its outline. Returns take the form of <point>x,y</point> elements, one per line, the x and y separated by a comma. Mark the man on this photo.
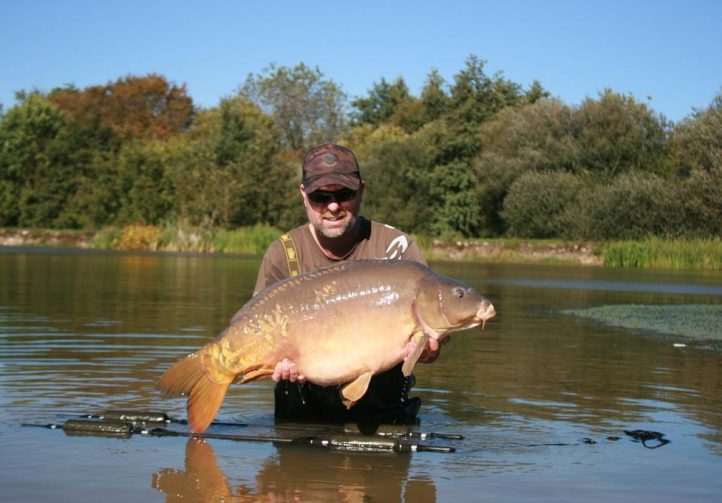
<point>332,190</point>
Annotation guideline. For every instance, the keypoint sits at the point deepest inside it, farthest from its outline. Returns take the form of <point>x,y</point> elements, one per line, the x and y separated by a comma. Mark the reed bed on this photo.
<point>658,253</point>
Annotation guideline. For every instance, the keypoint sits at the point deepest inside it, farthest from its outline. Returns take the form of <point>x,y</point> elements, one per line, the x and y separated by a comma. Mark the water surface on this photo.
<point>542,397</point>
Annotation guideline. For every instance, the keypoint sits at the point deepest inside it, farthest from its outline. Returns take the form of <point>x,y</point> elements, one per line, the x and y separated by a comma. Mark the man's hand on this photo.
<point>286,370</point>
<point>433,350</point>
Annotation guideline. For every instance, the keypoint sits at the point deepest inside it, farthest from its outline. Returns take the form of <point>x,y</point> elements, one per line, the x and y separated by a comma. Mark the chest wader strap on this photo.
<point>294,268</point>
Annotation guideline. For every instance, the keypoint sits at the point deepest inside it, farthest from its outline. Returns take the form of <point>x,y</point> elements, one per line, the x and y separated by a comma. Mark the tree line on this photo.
<point>480,156</point>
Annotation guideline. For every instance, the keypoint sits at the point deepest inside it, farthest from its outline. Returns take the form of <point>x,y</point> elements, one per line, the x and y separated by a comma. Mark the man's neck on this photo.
<point>338,248</point>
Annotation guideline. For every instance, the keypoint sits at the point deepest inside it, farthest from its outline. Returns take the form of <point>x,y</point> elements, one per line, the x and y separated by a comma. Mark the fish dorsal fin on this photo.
<point>417,343</point>
<point>353,391</point>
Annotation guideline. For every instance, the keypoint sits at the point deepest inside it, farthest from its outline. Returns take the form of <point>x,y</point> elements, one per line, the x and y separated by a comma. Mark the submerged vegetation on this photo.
<point>699,321</point>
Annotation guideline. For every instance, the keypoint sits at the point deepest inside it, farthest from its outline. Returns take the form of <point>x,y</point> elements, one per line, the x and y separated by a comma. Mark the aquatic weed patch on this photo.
<point>700,321</point>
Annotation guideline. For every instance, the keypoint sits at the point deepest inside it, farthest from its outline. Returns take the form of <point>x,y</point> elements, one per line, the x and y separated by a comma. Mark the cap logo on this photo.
<point>330,158</point>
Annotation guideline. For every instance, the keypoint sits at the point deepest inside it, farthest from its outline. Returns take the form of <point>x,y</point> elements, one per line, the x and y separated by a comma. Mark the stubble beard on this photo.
<point>336,232</point>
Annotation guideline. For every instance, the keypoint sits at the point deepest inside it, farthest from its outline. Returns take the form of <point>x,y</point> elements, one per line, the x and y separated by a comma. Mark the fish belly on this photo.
<point>326,355</point>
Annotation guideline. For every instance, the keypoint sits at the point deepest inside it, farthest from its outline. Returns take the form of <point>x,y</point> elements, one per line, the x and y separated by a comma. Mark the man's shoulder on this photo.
<point>300,232</point>
<point>394,242</point>
<point>385,230</point>
<point>296,235</point>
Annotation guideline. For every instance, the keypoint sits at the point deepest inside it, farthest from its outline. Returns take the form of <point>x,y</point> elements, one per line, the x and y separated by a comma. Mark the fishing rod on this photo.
<point>345,442</point>
<point>384,430</point>
<point>385,437</point>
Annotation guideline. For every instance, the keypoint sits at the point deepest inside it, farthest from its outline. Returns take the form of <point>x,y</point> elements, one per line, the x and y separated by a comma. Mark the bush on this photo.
<point>632,206</point>
<point>532,138</point>
<point>701,198</point>
<point>538,204</point>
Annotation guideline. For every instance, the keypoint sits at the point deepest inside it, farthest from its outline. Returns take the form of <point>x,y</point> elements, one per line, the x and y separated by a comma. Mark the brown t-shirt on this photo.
<point>378,241</point>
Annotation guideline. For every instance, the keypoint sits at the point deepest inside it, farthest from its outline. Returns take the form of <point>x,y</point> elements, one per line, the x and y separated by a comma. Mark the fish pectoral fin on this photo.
<point>255,374</point>
<point>353,391</point>
<point>416,346</point>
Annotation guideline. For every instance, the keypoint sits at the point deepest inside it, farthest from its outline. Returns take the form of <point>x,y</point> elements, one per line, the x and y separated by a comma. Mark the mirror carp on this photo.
<point>340,324</point>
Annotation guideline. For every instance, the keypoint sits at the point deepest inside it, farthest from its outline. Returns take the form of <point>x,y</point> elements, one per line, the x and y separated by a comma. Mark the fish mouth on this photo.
<point>486,311</point>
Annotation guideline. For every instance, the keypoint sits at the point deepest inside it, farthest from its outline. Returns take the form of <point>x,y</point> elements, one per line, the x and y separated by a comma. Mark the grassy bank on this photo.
<point>183,238</point>
<point>650,253</point>
<point>655,253</point>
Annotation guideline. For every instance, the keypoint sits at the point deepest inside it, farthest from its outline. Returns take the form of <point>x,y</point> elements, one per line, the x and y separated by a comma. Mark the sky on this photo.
<point>666,54</point>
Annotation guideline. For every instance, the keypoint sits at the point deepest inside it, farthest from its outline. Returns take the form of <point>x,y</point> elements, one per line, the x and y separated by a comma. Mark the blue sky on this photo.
<point>665,53</point>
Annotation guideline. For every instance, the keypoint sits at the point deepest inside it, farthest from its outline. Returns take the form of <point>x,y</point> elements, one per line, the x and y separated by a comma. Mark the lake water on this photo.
<point>542,397</point>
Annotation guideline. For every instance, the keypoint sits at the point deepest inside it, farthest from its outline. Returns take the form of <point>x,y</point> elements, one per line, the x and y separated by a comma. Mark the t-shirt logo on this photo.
<point>397,247</point>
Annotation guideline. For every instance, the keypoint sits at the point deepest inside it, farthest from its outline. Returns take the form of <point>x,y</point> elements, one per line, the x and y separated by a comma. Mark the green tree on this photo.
<point>98,195</point>
<point>475,98</point>
<point>696,155</point>
<point>221,169</point>
<point>396,174</point>
<point>618,135</point>
<point>539,136</point>
<point>697,141</point>
<point>535,93</point>
<point>146,194</point>
<point>305,107</point>
<point>383,101</point>
<point>434,99</point>
<point>34,183</point>
<point>457,211</point>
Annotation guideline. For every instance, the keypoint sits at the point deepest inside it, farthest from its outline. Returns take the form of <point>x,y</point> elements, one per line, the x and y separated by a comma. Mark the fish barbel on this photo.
<point>340,325</point>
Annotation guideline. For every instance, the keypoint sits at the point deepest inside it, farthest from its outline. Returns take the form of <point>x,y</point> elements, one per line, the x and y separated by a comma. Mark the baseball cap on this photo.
<point>330,164</point>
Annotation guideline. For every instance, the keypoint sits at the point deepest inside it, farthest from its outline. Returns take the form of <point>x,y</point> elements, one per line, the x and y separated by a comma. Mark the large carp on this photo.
<point>340,324</point>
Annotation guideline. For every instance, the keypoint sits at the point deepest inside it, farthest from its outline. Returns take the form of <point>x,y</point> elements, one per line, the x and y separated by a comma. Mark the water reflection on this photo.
<point>296,473</point>
<point>201,480</point>
<point>83,332</point>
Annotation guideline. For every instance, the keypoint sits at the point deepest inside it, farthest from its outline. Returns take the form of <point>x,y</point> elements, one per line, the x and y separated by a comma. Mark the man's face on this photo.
<point>332,209</point>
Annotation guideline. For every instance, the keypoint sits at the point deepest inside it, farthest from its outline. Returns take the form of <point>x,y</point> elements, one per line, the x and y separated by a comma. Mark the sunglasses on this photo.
<point>325,197</point>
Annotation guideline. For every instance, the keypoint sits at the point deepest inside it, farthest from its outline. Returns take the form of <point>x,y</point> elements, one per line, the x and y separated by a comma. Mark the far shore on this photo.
<point>522,251</point>
<point>651,253</point>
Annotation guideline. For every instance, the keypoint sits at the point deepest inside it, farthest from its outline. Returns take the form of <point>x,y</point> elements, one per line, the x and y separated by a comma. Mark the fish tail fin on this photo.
<point>205,394</point>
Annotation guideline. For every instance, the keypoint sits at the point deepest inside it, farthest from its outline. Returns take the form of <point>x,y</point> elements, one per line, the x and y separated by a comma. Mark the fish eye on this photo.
<point>458,292</point>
